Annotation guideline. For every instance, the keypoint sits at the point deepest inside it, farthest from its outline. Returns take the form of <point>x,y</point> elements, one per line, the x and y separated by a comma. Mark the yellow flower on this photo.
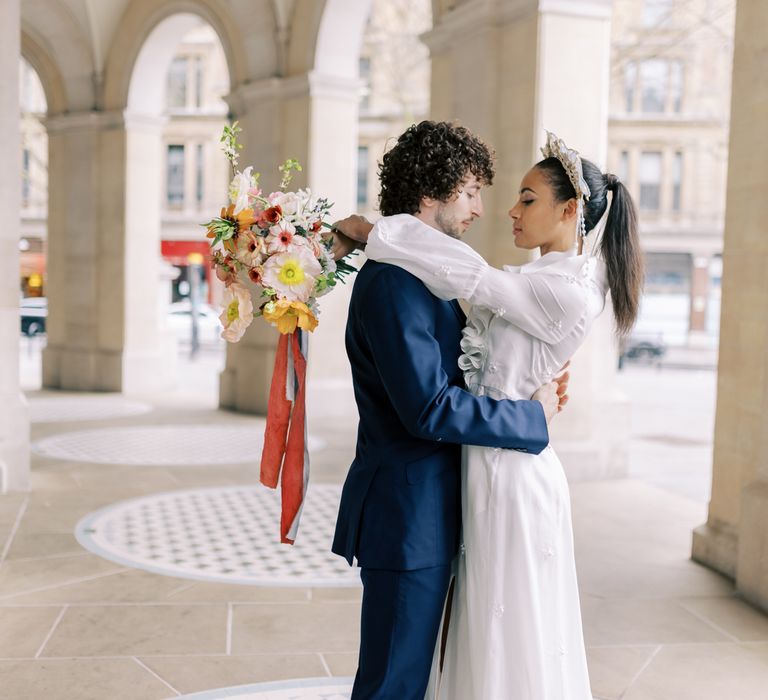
<point>286,315</point>
<point>291,272</point>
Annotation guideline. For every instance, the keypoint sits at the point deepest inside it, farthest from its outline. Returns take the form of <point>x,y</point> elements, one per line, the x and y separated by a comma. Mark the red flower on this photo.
<point>255,274</point>
<point>273,214</point>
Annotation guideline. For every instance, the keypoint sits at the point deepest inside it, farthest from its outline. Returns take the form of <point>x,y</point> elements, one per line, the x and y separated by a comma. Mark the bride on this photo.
<point>515,628</point>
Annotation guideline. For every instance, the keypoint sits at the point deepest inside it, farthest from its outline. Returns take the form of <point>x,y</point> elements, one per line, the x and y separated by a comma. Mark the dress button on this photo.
<point>500,311</point>
<point>444,271</point>
<point>462,549</point>
<point>498,610</point>
<point>493,367</point>
<point>555,325</point>
<point>497,450</point>
<point>549,552</point>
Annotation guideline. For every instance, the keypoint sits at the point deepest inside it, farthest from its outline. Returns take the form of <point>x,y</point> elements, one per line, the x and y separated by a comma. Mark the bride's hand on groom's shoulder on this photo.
<point>343,245</point>
<point>355,227</point>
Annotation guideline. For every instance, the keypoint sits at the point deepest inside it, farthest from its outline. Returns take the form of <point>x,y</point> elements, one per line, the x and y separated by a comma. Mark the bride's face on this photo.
<point>540,221</point>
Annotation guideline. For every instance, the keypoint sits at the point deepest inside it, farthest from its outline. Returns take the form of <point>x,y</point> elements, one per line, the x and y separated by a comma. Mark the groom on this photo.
<point>400,512</point>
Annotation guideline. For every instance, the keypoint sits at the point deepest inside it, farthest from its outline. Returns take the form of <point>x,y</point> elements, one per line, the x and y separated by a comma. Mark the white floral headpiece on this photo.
<point>571,162</point>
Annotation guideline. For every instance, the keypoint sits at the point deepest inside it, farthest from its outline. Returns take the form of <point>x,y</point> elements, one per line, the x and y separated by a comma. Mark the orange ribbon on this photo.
<point>285,436</point>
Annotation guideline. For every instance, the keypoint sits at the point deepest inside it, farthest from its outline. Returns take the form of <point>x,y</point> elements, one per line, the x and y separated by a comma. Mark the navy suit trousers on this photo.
<point>400,620</point>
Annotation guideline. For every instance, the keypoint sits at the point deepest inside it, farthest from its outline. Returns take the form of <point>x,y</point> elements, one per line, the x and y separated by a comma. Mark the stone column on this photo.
<point>14,416</point>
<point>103,255</point>
<point>734,539</point>
<point>312,118</point>
<point>509,69</point>
<point>699,294</point>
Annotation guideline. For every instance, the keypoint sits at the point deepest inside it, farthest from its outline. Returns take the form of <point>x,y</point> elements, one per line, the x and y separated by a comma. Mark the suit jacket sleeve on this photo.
<point>398,320</point>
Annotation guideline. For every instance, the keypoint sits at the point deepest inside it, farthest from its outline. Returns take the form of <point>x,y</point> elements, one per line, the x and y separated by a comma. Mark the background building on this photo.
<point>668,140</point>
<point>34,182</point>
<point>395,71</point>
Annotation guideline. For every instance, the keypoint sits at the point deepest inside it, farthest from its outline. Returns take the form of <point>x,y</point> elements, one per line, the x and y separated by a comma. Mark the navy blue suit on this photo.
<point>400,511</point>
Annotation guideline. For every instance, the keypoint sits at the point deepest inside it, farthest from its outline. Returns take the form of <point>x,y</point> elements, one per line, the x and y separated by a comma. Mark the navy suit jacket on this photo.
<point>401,505</point>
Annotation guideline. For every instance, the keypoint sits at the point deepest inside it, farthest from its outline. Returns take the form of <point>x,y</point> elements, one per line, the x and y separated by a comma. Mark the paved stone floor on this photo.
<point>78,626</point>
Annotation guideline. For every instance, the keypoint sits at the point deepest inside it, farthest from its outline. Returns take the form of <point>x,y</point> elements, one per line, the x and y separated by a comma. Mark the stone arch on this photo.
<point>326,37</point>
<point>47,70</point>
<point>59,51</point>
<point>142,18</point>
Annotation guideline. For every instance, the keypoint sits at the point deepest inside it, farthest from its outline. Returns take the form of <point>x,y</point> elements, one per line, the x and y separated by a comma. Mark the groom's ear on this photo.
<point>426,204</point>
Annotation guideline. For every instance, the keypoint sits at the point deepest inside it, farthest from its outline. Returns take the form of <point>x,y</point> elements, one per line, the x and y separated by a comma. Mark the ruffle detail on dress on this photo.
<point>474,350</point>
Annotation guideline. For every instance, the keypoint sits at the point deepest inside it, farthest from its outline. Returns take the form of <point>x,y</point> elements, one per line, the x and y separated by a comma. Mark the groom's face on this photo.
<point>456,215</point>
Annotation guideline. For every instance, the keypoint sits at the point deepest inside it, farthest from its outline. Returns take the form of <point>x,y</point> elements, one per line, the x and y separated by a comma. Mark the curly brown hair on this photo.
<point>431,159</point>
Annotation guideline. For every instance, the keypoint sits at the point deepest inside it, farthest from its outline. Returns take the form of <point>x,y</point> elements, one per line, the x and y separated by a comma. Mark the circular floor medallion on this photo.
<point>228,534</point>
<point>165,445</point>
<point>63,409</point>
<point>305,689</point>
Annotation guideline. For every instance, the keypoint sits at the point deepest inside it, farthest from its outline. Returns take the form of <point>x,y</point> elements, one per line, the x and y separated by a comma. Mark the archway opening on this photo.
<point>33,233</point>
<point>175,114</point>
<point>395,71</point>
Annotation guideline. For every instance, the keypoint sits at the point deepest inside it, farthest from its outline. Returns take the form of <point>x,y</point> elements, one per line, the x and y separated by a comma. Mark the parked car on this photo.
<point>646,349</point>
<point>33,312</point>
<point>180,322</point>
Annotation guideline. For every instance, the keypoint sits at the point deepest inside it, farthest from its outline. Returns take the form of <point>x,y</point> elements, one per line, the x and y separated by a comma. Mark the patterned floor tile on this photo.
<point>60,409</point>
<point>225,534</point>
<point>306,689</point>
<point>166,445</point>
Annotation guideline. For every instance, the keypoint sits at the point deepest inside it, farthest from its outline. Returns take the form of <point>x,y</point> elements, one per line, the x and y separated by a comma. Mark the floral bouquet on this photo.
<point>277,242</point>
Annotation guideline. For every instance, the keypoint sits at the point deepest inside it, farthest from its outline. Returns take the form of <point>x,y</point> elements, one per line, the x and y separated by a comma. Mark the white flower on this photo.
<point>292,274</point>
<point>241,189</point>
<point>289,202</point>
<point>282,236</point>
<point>238,312</point>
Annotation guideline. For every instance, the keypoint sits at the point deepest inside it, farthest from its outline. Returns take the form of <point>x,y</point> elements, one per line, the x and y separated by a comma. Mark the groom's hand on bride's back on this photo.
<point>548,397</point>
<point>554,395</point>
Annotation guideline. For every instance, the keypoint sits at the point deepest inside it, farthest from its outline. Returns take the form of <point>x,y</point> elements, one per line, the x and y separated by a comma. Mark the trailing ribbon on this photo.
<point>285,435</point>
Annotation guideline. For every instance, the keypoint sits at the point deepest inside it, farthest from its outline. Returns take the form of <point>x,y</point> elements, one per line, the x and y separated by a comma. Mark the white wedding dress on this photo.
<point>515,631</point>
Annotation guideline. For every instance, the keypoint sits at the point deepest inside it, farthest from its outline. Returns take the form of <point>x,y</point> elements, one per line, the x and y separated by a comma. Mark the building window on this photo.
<point>657,83</point>
<point>650,181</point>
<point>199,81</point>
<point>653,85</point>
<point>199,181</point>
<point>25,180</point>
<point>656,12</point>
<point>177,83</point>
<point>676,85</point>
<point>362,176</point>
<point>630,84</point>
<point>623,169</point>
<point>175,175</point>
<point>365,76</point>
<point>677,181</point>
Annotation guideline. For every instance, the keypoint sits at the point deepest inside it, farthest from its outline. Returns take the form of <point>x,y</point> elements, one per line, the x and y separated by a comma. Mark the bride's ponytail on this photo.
<point>620,249</point>
<point>619,244</point>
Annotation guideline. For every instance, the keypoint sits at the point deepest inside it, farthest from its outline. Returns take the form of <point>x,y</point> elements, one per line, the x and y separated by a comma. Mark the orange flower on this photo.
<point>243,220</point>
<point>287,315</point>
